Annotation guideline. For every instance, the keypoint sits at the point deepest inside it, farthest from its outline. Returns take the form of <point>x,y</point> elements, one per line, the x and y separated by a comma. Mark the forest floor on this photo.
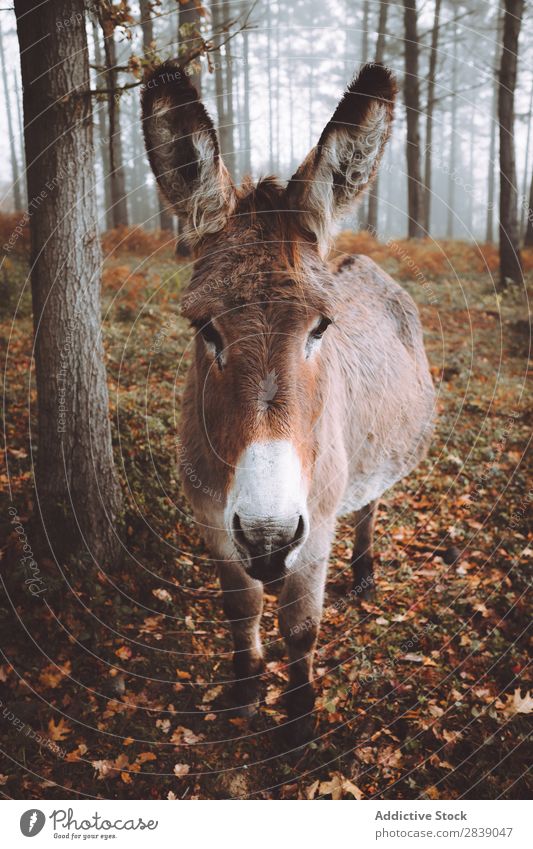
<point>112,682</point>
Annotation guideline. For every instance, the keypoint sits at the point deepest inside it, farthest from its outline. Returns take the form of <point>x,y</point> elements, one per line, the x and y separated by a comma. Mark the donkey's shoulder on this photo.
<point>364,283</point>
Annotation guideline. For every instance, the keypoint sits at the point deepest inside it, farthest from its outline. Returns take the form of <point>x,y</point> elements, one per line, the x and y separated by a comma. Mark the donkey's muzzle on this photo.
<point>267,544</point>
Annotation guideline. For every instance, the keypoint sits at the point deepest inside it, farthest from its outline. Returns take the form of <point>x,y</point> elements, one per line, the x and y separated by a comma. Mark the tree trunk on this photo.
<point>412,106</point>
<point>528,238</point>
<point>102,131</point>
<point>453,144</point>
<point>510,260</point>
<point>364,34</point>
<point>189,37</point>
<point>372,219</point>
<point>489,235</point>
<point>224,130</point>
<point>147,26</point>
<point>247,162</point>
<point>432,74</point>
<point>117,174</point>
<point>230,116</point>
<point>270,91</point>
<point>78,494</point>
<point>523,202</point>
<point>15,175</point>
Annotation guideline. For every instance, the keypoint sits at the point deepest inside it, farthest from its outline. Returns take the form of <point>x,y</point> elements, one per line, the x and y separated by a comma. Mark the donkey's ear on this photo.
<point>347,155</point>
<point>184,153</point>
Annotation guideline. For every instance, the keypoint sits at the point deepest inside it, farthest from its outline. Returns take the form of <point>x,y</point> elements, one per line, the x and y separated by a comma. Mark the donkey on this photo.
<point>309,393</point>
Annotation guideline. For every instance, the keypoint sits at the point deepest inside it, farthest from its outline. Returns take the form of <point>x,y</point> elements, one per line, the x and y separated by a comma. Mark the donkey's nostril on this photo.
<point>260,538</point>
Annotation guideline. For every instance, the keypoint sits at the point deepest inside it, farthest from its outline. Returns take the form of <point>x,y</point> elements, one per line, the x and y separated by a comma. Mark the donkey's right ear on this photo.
<point>184,153</point>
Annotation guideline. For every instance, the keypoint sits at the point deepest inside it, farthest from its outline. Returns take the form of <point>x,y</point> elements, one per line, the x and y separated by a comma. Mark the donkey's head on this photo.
<point>262,298</point>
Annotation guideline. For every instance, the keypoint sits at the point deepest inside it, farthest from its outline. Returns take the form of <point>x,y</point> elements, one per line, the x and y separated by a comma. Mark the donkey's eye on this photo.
<point>213,340</point>
<point>318,331</point>
<point>315,335</point>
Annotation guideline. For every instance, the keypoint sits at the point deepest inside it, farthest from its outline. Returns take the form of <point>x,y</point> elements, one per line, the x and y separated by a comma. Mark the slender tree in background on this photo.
<point>452,165</point>
<point>225,131</point>
<point>412,105</point>
<point>510,260</point>
<point>147,26</point>
<point>190,19</point>
<point>117,174</point>
<point>430,105</point>
<point>526,211</point>
<point>229,93</point>
<point>372,219</point>
<point>528,238</point>
<point>246,118</point>
<point>78,494</point>
<point>489,233</point>
<point>17,190</point>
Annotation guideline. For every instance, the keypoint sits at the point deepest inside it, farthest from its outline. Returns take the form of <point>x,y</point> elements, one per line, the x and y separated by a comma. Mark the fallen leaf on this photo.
<point>181,769</point>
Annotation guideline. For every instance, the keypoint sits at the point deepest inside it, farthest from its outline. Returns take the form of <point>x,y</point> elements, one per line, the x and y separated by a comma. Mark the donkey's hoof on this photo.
<point>245,703</point>
<point>298,732</point>
<point>364,589</point>
<point>244,711</point>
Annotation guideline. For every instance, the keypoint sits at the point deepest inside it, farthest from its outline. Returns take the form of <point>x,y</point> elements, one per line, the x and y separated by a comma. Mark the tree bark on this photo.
<point>247,159</point>
<point>372,219</point>
<point>510,260</point>
<point>15,174</point>
<point>528,238</point>
<point>525,210</point>
<point>189,36</point>
<point>77,490</point>
<point>224,130</point>
<point>229,94</point>
<point>489,235</point>
<point>102,130</point>
<point>147,26</point>
<point>117,174</point>
<point>450,215</point>
<point>432,75</point>
<point>412,106</point>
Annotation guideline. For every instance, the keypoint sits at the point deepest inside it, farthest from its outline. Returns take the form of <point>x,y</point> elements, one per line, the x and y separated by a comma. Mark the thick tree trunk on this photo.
<point>412,105</point>
<point>432,76</point>
<point>117,174</point>
<point>15,174</point>
<point>78,495</point>
<point>147,26</point>
<point>102,129</point>
<point>510,260</point>
<point>372,219</point>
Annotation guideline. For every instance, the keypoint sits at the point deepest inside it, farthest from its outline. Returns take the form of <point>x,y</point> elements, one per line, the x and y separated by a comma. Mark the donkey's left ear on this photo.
<point>347,155</point>
<point>184,153</point>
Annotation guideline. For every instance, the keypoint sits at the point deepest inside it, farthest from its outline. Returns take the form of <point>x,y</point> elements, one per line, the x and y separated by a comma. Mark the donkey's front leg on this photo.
<point>363,552</point>
<point>300,610</point>
<point>243,605</point>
